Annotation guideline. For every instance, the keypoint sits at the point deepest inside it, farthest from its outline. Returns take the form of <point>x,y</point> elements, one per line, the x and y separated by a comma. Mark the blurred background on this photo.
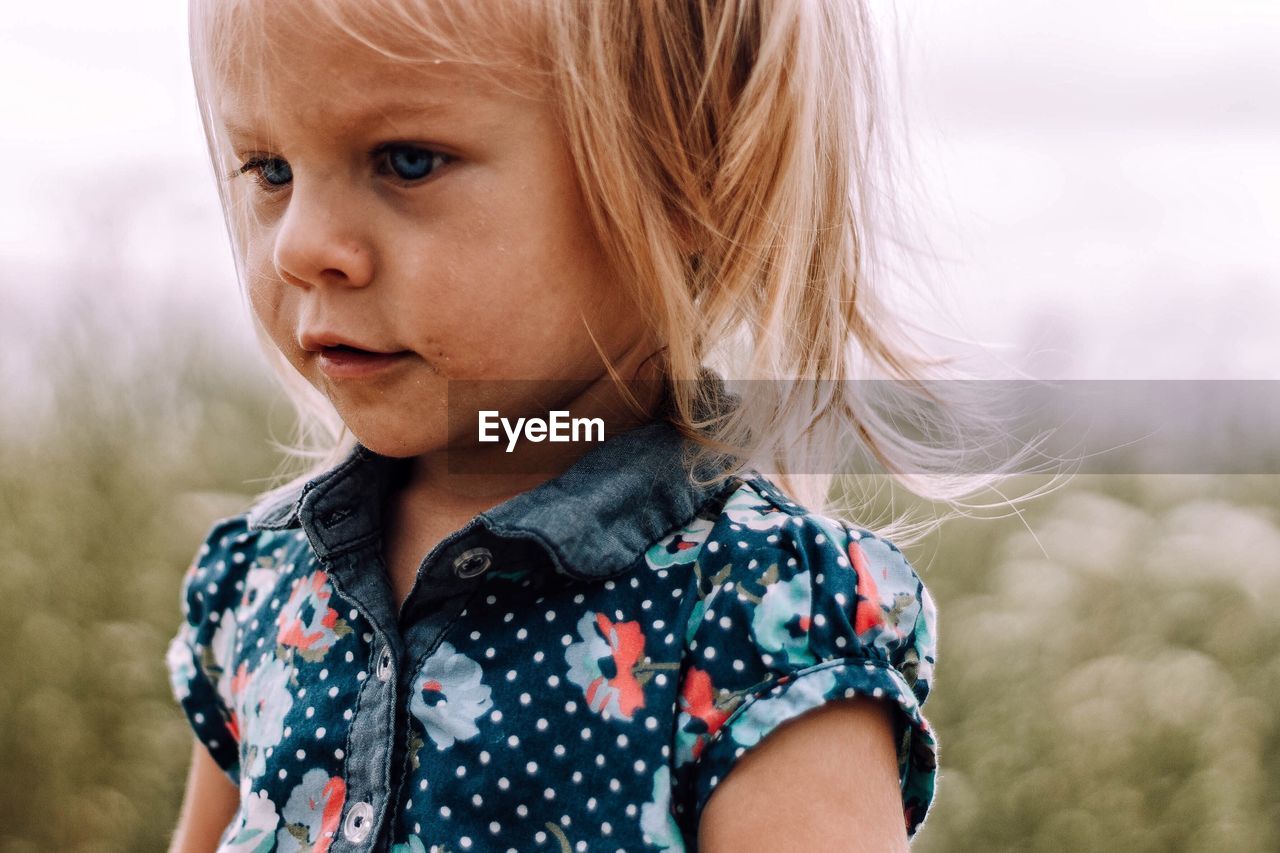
<point>1099,187</point>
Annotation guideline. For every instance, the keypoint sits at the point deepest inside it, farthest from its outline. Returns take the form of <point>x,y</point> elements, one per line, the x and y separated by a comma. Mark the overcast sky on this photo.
<point>1100,179</point>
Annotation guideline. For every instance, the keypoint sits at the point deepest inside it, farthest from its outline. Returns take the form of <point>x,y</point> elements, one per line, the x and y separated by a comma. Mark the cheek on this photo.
<point>262,285</point>
<point>266,300</point>
<point>275,313</point>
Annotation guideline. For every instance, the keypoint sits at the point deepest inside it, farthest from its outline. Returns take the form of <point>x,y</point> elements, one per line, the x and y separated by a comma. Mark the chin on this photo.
<point>394,436</point>
<point>400,445</point>
<point>403,434</point>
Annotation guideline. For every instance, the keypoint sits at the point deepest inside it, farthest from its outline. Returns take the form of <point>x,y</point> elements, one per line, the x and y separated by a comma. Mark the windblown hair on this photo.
<point>731,156</point>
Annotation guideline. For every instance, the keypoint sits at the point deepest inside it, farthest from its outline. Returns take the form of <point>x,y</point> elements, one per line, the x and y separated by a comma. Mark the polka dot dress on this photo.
<point>542,688</point>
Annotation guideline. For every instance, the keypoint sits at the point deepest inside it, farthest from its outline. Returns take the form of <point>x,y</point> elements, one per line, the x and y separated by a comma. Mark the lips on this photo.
<point>346,362</point>
<point>332,341</point>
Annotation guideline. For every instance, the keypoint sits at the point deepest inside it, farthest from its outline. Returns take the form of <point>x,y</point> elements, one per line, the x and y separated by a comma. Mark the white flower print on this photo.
<point>656,821</point>
<point>181,664</point>
<point>254,828</point>
<point>753,512</point>
<point>449,696</point>
<point>265,702</point>
<point>223,650</point>
<point>781,621</point>
<point>764,715</point>
<point>312,813</point>
<point>258,583</point>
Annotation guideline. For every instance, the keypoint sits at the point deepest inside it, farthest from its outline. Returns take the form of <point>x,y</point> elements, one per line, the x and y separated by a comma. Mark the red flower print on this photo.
<point>868,614</point>
<point>306,622</point>
<point>697,699</point>
<point>333,797</point>
<point>627,643</point>
<point>604,663</point>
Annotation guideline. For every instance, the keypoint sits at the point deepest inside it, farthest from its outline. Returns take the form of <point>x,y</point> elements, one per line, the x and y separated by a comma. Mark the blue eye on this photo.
<point>410,163</point>
<point>269,172</point>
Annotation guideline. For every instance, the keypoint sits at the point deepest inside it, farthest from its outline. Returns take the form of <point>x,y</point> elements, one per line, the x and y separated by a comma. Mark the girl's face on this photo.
<point>424,213</point>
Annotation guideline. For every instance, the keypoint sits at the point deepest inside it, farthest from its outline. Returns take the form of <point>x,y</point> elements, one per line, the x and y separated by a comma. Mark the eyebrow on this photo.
<point>385,110</point>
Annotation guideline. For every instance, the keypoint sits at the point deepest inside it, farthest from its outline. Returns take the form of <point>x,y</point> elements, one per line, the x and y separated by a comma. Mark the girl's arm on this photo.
<point>209,805</point>
<point>827,780</point>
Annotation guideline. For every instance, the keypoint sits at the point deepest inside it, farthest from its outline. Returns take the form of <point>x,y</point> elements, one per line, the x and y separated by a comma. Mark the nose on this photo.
<point>319,240</point>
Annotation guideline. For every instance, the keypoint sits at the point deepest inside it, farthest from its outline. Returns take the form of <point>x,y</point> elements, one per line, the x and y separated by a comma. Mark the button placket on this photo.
<point>369,806</point>
<point>371,732</point>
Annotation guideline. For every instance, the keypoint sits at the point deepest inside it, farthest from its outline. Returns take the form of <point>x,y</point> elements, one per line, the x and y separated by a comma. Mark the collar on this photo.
<point>592,522</point>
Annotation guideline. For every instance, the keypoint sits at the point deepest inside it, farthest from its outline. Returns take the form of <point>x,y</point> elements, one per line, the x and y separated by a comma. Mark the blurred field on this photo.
<point>1108,683</point>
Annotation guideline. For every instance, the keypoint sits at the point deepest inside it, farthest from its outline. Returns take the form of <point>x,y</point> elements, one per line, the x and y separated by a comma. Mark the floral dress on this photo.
<point>575,669</point>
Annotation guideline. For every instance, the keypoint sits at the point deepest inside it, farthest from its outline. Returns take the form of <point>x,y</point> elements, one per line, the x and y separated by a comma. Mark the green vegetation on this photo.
<point>1108,675</point>
<point>1110,683</point>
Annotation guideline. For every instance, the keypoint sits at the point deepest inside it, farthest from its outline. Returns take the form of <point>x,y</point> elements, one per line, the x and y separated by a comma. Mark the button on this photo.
<point>358,823</point>
<point>473,562</point>
<point>384,664</point>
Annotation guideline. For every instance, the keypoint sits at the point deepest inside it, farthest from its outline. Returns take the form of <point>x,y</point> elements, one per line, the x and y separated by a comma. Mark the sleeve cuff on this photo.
<point>789,696</point>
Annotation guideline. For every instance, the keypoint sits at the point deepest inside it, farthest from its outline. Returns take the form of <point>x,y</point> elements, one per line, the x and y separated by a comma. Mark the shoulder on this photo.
<point>216,565</point>
<point>233,569</point>
<point>813,586</point>
<point>795,609</point>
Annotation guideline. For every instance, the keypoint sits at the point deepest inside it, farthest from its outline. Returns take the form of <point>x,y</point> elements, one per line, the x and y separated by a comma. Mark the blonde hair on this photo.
<point>731,157</point>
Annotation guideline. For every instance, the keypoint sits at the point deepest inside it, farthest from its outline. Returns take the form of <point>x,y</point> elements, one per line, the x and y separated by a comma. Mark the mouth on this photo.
<point>342,361</point>
<point>346,348</point>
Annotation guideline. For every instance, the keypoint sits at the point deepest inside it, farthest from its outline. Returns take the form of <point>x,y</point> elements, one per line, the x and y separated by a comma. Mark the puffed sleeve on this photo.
<point>200,657</point>
<point>798,610</point>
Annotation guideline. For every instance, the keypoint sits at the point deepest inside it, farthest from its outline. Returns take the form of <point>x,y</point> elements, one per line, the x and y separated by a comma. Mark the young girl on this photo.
<point>441,208</point>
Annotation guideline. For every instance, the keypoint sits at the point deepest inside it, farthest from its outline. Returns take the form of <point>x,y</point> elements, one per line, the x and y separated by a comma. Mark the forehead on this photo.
<point>342,57</point>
